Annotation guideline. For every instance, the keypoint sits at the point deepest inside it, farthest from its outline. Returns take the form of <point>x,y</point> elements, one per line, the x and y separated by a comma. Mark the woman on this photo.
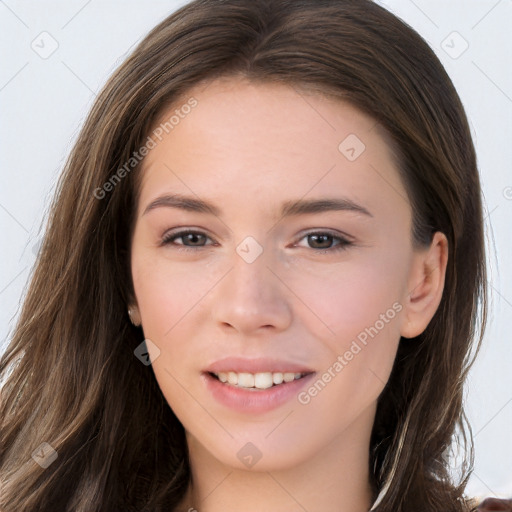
<point>185,344</point>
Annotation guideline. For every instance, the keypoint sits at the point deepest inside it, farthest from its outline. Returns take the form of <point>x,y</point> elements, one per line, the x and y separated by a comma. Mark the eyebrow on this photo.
<point>288,209</point>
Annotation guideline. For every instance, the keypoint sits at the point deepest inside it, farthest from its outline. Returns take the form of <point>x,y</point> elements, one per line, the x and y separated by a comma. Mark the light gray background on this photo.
<point>44,99</point>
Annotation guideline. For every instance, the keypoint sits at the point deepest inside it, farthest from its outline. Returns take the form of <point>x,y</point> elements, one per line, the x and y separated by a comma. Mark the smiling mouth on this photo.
<point>261,380</point>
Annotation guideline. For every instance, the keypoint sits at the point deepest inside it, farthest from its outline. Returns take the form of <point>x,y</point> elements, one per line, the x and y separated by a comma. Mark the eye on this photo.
<point>191,240</point>
<point>323,241</point>
<point>192,237</point>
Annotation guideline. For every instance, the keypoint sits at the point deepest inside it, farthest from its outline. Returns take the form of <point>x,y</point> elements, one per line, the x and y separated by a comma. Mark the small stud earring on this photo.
<point>131,319</point>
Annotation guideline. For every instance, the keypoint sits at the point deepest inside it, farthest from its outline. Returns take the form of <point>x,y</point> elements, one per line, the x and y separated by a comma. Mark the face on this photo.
<point>298,267</point>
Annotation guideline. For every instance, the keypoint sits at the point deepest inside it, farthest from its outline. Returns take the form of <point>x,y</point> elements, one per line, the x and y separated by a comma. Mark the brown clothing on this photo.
<point>495,504</point>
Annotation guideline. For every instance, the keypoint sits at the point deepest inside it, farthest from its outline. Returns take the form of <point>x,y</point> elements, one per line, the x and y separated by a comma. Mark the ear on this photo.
<point>425,285</point>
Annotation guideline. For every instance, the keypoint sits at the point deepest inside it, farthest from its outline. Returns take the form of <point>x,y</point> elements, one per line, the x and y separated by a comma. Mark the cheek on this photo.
<point>167,297</point>
<point>166,293</point>
<point>363,312</point>
<point>361,305</point>
<point>352,301</point>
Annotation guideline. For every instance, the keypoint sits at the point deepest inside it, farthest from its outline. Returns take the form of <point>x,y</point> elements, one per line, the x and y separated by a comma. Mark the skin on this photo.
<point>247,148</point>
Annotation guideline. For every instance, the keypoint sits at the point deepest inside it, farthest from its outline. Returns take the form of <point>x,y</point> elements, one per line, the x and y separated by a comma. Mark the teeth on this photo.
<point>262,380</point>
<point>246,380</point>
<point>277,378</point>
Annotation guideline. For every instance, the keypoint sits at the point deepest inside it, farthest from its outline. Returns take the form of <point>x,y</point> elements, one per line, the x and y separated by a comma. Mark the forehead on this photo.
<point>269,141</point>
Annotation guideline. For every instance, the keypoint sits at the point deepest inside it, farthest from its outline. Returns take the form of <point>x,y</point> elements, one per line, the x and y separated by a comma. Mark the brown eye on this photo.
<point>325,242</point>
<point>189,238</point>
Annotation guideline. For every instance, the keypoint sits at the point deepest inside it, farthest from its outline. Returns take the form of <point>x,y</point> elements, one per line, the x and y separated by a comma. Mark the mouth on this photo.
<point>257,381</point>
<point>257,385</point>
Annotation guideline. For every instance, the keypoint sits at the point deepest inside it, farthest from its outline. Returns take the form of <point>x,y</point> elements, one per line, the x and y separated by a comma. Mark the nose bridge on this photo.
<point>251,296</point>
<point>250,276</point>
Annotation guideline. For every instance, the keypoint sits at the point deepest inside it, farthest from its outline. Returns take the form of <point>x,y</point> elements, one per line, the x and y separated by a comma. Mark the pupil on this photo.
<point>193,237</point>
<point>325,237</point>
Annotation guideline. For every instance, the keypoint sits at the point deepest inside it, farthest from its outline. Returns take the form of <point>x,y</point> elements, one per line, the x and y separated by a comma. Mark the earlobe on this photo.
<point>426,284</point>
<point>133,313</point>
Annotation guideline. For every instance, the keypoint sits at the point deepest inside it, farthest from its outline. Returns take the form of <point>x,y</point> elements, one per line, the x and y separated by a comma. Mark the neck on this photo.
<point>335,479</point>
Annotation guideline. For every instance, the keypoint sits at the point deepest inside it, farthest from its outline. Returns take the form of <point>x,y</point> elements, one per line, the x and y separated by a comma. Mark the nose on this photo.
<point>252,298</point>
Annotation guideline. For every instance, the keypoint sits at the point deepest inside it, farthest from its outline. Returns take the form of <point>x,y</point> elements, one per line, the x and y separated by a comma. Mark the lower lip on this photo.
<point>254,400</point>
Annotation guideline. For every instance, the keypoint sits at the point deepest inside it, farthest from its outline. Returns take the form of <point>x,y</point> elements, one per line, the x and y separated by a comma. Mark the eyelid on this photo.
<point>326,231</point>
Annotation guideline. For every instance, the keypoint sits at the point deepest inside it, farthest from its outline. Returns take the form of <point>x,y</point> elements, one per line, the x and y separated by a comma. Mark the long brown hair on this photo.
<point>71,378</point>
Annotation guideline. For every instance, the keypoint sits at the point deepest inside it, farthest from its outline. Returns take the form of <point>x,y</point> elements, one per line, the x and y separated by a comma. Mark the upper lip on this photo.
<point>260,365</point>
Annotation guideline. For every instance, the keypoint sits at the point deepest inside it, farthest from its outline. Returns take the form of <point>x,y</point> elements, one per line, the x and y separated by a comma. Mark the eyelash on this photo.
<point>170,237</point>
